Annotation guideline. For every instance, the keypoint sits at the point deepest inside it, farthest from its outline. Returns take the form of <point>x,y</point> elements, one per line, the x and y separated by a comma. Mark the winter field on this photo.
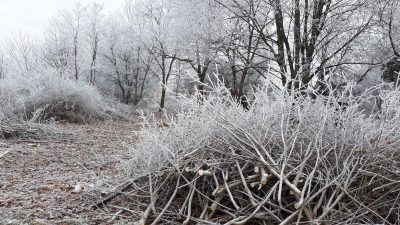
<point>203,112</point>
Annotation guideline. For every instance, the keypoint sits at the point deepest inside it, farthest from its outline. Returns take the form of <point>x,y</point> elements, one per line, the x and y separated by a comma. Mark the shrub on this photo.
<point>288,158</point>
<point>42,97</point>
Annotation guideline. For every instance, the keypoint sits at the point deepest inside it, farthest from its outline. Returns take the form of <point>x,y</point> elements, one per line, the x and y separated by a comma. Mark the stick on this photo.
<point>4,153</point>
<point>235,183</point>
<point>214,205</point>
<point>169,202</point>
<point>257,169</point>
<point>205,173</point>
<point>216,184</point>
<point>229,191</point>
<point>266,199</point>
<point>115,216</point>
<point>145,215</point>
<point>125,186</point>
<point>253,203</point>
<point>189,214</point>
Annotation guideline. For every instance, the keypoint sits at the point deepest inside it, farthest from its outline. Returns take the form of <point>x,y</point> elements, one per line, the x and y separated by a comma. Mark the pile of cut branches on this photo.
<point>12,127</point>
<point>285,160</point>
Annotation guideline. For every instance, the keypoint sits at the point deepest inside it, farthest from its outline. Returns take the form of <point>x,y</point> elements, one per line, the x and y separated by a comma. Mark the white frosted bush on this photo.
<point>288,158</point>
<point>43,96</point>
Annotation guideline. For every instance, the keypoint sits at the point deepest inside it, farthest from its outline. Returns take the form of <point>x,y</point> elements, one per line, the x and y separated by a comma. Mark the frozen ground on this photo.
<point>40,181</point>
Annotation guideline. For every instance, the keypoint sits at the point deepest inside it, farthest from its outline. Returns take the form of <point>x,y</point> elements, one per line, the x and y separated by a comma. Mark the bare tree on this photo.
<point>164,60</point>
<point>56,52</point>
<point>94,30</point>
<point>241,47</point>
<point>157,39</point>
<point>305,37</point>
<point>70,21</point>
<point>199,38</point>
<point>130,65</point>
<point>22,52</point>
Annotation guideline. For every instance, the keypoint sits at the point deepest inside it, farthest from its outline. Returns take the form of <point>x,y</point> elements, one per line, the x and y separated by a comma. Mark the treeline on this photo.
<point>148,47</point>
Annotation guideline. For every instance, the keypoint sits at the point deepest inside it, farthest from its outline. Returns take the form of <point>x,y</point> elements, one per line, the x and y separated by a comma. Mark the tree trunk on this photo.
<point>76,56</point>
<point>164,82</point>
<point>280,40</point>
<point>93,66</point>
<point>127,97</point>
<point>162,101</point>
<point>242,82</point>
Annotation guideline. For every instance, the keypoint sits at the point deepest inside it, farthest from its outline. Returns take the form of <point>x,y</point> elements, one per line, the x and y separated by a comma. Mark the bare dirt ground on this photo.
<point>38,180</point>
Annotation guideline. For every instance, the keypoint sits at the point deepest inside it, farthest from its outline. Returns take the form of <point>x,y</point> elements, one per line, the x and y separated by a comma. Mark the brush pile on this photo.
<point>12,127</point>
<point>285,160</point>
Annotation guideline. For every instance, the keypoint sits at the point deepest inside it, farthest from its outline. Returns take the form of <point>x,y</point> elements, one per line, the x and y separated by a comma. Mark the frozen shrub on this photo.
<point>288,158</point>
<point>41,97</point>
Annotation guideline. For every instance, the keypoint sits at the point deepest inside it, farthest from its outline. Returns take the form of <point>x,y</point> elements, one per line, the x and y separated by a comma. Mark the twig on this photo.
<point>115,216</point>
<point>253,203</point>
<point>145,215</point>
<point>125,186</point>
<point>189,214</point>
<point>169,202</point>
<point>225,178</point>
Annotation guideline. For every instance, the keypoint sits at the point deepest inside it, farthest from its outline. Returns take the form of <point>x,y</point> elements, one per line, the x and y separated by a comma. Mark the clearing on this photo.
<point>40,181</point>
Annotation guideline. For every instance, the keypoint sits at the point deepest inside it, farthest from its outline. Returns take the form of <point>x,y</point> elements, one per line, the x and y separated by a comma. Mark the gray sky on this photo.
<point>33,15</point>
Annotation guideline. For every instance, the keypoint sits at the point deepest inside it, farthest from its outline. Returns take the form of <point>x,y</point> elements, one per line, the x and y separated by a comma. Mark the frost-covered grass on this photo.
<point>41,97</point>
<point>288,158</point>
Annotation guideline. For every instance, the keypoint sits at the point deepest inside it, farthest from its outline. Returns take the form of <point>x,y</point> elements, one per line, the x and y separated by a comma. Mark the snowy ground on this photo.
<point>38,180</point>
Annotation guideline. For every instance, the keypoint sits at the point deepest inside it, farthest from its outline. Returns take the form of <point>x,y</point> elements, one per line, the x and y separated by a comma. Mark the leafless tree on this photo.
<point>22,52</point>
<point>94,30</point>
<point>305,37</point>
<point>158,41</point>
<point>56,52</point>
<point>130,66</point>
<point>241,47</point>
<point>71,23</point>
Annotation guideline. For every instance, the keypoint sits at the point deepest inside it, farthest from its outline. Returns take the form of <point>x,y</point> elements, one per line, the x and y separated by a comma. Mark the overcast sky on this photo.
<point>33,15</point>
